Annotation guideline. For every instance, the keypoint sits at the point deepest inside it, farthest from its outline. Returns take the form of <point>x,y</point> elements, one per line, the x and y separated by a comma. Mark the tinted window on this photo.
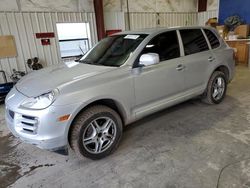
<point>215,43</point>
<point>113,51</point>
<point>166,45</point>
<point>193,41</point>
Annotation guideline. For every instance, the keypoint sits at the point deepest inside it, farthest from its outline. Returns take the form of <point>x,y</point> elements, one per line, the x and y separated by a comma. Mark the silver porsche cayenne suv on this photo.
<point>125,77</point>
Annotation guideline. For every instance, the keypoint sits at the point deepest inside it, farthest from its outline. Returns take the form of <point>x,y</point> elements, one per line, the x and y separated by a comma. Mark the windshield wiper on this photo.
<point>86,61</point>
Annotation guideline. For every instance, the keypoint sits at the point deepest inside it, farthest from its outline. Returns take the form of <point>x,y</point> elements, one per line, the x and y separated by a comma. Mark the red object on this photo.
<point>98,6</point>
<point>45,35</point>
<point>113,31</point>
<point>202,5</point>
<point>45,42</point>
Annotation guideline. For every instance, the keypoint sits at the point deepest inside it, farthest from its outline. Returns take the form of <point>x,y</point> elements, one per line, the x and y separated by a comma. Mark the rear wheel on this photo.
<point>96,132</point>
<point>216,88</point>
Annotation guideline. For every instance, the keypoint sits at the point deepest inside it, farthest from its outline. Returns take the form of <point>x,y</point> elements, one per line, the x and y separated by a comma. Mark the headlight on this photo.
<point>40,102</point>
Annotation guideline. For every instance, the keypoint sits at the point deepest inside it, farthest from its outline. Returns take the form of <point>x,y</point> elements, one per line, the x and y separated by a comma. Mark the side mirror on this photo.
<point>149,59</point>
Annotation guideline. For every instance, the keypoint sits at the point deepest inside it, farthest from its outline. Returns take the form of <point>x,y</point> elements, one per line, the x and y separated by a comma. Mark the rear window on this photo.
<point>193,41</point>
<point>214,42</point>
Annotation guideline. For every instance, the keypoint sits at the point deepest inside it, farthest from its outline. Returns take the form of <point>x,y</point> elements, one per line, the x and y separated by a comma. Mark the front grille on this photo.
<point>28,130</point>
<point>23,123</point>
<point>29,123</point>
<point>12,114</point>
<point>28,117</point>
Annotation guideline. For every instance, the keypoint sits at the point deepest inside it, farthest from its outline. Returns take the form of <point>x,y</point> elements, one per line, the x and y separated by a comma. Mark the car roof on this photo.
<point>159,30</point>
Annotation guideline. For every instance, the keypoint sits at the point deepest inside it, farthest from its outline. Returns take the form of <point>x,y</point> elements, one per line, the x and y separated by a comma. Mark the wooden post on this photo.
<point>98,6</point>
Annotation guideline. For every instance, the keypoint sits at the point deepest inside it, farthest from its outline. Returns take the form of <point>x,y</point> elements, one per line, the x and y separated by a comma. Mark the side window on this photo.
<point>166,45</point>
<point>214,42</point>
<point>193,41</point>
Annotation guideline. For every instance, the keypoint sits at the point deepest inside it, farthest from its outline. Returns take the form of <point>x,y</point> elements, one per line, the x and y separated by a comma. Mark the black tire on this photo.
<point>90,120</point>
<point>208,94</point>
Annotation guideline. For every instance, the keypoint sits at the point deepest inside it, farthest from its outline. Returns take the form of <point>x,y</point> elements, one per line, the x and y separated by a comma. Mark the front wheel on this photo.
<point>96,132</point>
<point>216,88</point>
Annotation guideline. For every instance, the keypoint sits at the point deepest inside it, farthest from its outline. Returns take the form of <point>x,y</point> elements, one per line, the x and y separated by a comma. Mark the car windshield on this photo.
<point>113,50</point>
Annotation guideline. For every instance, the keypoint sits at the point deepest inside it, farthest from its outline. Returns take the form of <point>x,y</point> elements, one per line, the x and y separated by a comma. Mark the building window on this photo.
<point>74,39</point>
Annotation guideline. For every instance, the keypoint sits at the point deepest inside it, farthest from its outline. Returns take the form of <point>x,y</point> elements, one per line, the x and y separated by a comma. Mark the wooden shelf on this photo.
<point>242,50</point>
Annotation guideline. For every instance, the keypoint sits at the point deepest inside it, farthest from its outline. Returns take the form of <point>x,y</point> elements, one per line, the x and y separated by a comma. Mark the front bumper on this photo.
<point>38,127</point>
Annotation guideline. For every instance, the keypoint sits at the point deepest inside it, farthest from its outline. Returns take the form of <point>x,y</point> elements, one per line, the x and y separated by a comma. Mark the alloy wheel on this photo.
<point>218,88</point>
<point>99,135</point>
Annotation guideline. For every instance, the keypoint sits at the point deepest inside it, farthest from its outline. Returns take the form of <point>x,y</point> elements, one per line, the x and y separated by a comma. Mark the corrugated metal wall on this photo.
<point>24,25</point>
<point>139,20</point>
<point>114,20</point>
<point>163,19</point>
<point>204,16</point>
<point>171,19</point>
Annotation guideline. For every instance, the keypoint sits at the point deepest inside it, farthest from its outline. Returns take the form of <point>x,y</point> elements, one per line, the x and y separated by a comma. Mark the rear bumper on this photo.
<point>231,64</point>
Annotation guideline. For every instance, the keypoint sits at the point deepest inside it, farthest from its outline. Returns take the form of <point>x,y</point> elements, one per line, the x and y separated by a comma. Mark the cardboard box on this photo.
<point>242,31</point>
<point>222,30</point>
<point>7,46</point>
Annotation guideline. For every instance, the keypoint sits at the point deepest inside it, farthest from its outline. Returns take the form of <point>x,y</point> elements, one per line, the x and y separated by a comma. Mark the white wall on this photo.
<point>204,16</point>
<point>24,25</point>
<point>151,5</point>
<point>109,5</point>
<point>47,5</point>
<point>165,19</point>
<point>24,18</point>
<point>212,11</point>
<point>143,13</point>
<point>8,5</point>
<point>212,5</point>
<point>114,20</point>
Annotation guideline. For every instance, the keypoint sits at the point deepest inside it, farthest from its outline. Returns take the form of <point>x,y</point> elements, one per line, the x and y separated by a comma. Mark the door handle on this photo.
<point>210,59</point>
<point>180,67</point>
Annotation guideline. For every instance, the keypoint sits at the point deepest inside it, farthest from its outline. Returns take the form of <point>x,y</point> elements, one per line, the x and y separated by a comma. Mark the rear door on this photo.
<point>197,58</point>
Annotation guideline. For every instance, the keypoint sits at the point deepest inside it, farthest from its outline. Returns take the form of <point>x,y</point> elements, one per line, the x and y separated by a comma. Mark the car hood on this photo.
<point>47,79</point>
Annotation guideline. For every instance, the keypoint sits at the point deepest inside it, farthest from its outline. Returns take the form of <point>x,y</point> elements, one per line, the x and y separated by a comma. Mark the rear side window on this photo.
<point>165,44</point>
<point>214,42</point>
<point>193,41</point>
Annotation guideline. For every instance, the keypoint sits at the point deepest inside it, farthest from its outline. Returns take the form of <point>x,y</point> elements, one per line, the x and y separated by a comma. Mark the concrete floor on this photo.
<point>189,145</point>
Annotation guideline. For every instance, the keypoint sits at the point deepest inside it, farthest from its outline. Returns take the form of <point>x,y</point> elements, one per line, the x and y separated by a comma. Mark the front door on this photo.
<point>156,85</point>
